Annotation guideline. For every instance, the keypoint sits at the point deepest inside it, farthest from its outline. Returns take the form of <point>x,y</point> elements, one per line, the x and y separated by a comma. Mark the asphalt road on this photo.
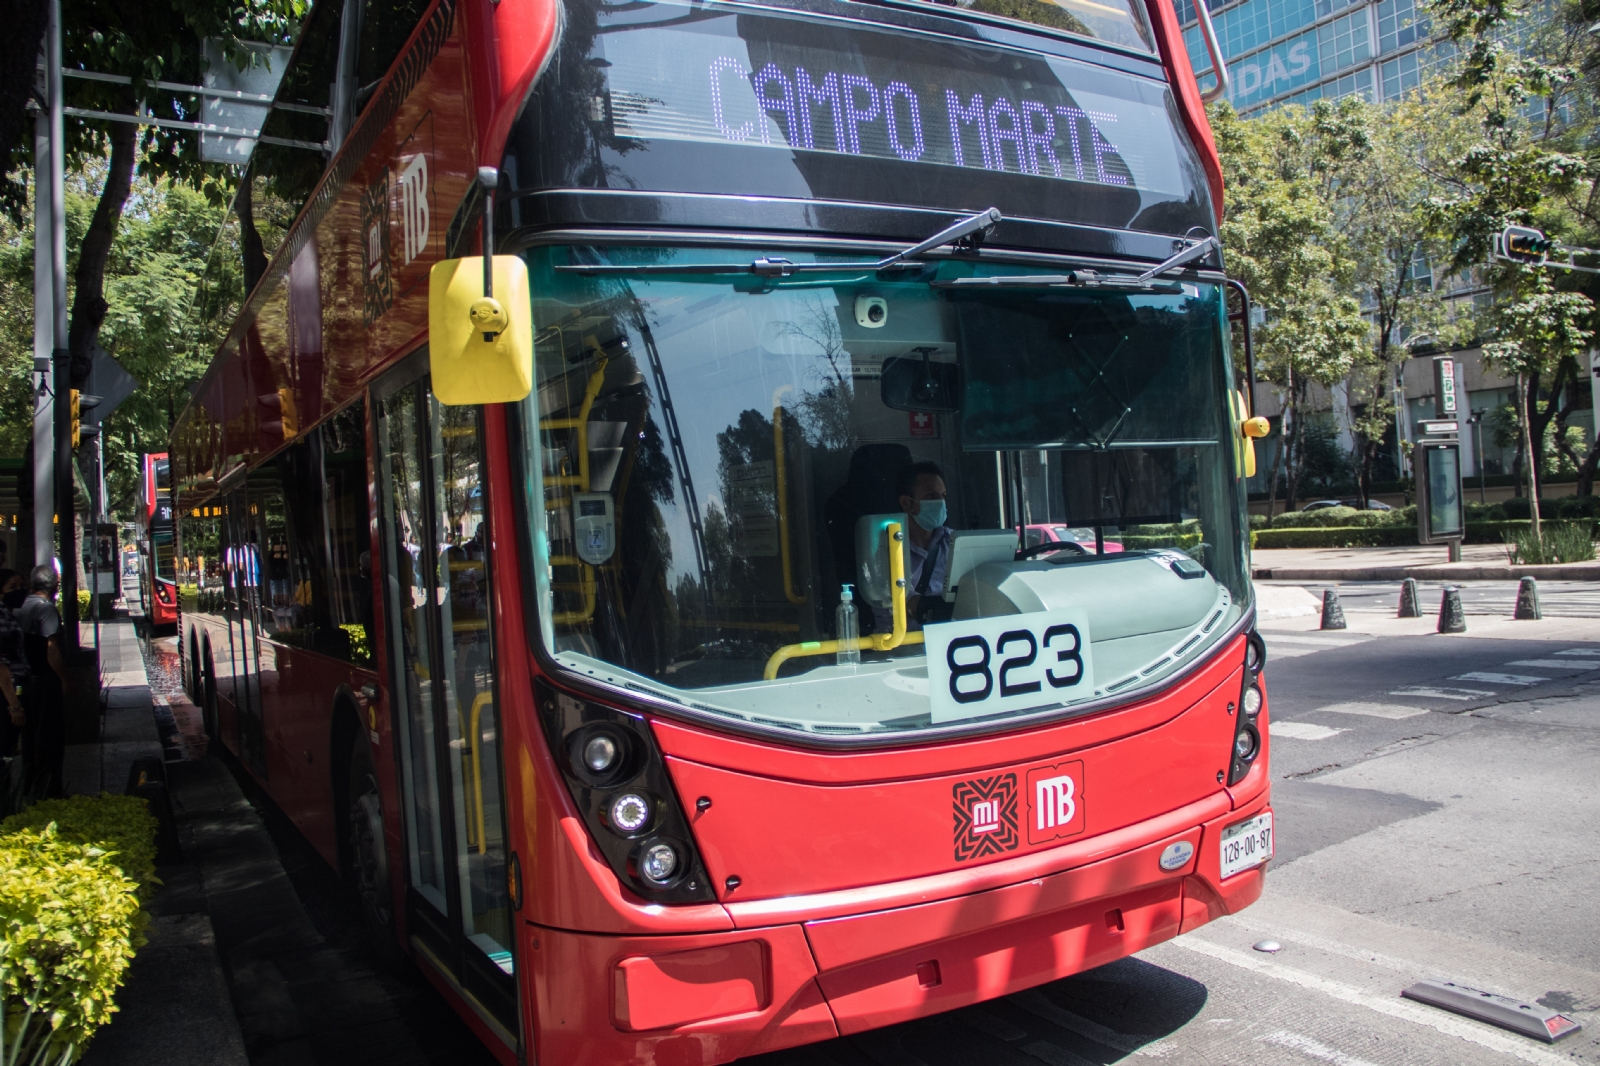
<point>1437,817</point>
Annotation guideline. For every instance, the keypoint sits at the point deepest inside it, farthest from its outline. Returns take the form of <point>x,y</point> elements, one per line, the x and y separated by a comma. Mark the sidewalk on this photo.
<point>1480,562</point>
<point>174,1005</point>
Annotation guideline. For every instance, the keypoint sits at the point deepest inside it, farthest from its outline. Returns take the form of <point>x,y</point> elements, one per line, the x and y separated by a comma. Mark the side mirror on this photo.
<point>917,383</point>
<point>480,349</point>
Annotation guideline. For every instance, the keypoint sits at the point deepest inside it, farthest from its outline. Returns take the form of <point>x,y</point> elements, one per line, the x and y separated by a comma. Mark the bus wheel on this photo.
<point>192,678</point>
<point>207,684</point>
<point>369,857</point>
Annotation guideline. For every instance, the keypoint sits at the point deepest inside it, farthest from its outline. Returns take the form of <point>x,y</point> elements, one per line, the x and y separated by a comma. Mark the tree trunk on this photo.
<point>89,304</point>
<point>254,252</point>
<point>19,52</point>
<point>1541,419</point>
<point>1523,386</point>
<point>1586,469</point>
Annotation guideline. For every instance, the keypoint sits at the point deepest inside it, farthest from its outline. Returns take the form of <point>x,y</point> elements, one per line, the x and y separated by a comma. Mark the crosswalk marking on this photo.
<point>1442,693</point>
<point>1307,1046</point>
<point>1307,638</point>
<point>1302,731</point>
<point>1590,652</point>
<point>1555,664</point>
<point>1374,710</point>
<point>1489,678</point>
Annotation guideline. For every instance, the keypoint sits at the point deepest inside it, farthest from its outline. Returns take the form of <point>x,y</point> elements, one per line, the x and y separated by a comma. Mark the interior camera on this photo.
<point>871,311</point>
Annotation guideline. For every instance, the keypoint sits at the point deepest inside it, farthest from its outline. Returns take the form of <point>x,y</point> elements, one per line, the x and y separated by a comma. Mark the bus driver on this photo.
<point>921,494</point>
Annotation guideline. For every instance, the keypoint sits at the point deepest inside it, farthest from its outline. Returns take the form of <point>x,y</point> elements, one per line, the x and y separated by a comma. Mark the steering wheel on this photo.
<point>1044,547</point>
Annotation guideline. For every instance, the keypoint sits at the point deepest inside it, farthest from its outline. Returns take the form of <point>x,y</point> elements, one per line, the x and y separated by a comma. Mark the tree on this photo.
<point>1282,172</point>
<point>1524,167</point>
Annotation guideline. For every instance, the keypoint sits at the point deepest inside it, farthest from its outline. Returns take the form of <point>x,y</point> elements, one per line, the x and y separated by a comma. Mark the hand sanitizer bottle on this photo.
<point>846,628</point>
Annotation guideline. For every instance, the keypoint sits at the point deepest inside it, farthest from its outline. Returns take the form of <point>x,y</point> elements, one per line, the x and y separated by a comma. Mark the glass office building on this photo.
<point>1297,51</point>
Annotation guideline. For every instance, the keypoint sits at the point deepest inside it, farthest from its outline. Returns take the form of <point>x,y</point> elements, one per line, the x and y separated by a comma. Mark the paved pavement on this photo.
<point>1479,562</point>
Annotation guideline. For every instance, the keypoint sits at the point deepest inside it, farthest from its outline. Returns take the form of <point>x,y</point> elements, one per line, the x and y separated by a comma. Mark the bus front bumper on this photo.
<point>700,999</point>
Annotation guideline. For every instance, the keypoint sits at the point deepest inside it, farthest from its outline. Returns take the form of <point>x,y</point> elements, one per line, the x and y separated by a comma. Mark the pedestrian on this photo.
<point>44,735</point>
<point>13,678</point>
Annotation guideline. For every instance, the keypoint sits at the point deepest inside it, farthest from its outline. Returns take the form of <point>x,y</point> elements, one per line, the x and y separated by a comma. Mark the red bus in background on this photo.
<point>158,588</point>
<point>711,699</point>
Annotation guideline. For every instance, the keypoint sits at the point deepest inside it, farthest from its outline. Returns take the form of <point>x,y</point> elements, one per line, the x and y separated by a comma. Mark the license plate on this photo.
<point>1246,844</point>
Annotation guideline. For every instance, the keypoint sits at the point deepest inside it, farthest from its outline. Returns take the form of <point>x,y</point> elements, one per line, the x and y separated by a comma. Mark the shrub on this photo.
<point>84,603</point>
<point>1181,541</point>
<point>1517,507</point>
<point>1328,516</point>
<point>1566,542</point>
<point>122,826</point>
<point>67,926</point>
<point>1259,521</point>
<point>1577,507</point>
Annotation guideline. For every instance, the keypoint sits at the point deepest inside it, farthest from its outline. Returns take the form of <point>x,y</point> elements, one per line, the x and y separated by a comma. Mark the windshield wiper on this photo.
<point>778,267</point>
<point>1093,279</point>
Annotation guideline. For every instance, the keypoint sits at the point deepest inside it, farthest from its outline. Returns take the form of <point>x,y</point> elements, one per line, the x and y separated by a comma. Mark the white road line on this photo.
<point>1036,1004</point>
<point>1276,652</point>
<point>1500,679</point>
<point>1442,693</point>
<point>1308,1046</point>
<point>1394,1007</point>
<point>1302,731</point>
<point>1054,1056</point>
<point>1555,664</point>
<point>1588,652</point>
<point>1374,710</point>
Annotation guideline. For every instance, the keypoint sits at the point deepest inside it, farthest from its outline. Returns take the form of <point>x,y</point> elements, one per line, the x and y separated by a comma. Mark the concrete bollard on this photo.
<point>1332,610</point>
<point>1528,601</point>
<point>1452,619</point>
<point>1409,607</point>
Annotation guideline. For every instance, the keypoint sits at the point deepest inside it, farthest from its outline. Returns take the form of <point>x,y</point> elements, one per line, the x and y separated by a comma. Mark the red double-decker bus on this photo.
<point>702,694</point>
<point>157,535</point>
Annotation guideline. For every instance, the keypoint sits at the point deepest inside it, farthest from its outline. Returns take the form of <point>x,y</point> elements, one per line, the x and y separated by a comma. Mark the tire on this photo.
<point>192,676</point>
<point>368,870</point>
<point>208,702</point>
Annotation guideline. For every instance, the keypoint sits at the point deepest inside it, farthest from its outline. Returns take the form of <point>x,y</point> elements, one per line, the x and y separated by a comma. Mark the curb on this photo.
<point>1434,572</point>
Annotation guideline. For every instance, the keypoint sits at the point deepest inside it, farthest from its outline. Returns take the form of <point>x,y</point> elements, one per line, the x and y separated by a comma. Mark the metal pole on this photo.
<point>66,509</point>
<point>44,440</point>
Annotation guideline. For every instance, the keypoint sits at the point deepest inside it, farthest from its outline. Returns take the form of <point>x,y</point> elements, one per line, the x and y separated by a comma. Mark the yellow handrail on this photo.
<point>581,423</point>
<point>876,641</point>
<point>783,498</point>
<point>478,704</point>
<point>586,583</point>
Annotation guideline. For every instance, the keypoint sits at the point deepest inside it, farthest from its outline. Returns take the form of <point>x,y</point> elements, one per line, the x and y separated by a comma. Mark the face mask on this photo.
<point>931,514</point>
<point>14,598</point>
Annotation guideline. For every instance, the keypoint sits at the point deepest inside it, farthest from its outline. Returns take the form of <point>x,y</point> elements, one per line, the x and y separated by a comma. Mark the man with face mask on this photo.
<point>922,496</point>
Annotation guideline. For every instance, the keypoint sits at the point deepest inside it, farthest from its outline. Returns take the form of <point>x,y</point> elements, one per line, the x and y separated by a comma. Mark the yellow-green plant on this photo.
<point>67,917</point>
<point>121,826</point>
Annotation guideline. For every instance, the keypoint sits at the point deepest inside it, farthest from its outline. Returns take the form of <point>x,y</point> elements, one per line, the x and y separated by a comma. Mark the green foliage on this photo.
<point>1559,542</point>
<point>67,927</point>
<point>1181,541</point>
<point>121,825</point>
<point>1378,536</point>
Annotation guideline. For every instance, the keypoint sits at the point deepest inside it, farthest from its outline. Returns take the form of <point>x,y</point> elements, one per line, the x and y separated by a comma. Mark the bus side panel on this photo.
<point>298,714</point>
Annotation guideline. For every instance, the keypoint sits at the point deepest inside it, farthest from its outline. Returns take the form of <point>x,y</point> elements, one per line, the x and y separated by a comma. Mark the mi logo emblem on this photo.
<point>1055,801</point>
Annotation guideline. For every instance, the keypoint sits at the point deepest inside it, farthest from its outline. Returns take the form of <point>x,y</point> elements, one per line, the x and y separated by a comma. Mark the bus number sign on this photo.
<point>983,666</point>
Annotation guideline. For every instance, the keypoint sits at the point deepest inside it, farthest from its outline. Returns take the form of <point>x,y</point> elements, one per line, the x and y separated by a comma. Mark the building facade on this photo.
<point>1297,51</point>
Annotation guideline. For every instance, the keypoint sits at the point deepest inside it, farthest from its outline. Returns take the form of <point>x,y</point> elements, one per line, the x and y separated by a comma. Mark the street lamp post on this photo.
<point>1476,422</point>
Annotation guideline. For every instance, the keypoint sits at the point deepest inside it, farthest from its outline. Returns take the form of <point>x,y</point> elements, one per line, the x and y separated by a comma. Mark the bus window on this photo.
<point>717,460</point>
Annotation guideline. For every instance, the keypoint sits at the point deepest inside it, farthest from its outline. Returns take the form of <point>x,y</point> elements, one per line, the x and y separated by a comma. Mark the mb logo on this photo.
<point>985,811</point>
<point>1055,801</point>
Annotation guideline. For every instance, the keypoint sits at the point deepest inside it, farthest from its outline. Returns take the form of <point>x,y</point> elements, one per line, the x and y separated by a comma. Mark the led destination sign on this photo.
<point>776,83</point>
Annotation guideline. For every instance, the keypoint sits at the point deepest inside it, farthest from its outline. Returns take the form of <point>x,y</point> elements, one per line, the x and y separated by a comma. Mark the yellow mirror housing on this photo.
<point>480,348</point>
<point>1256,427</point>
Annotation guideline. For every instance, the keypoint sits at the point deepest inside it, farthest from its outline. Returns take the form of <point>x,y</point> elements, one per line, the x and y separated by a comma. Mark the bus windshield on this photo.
<point>720,459</point>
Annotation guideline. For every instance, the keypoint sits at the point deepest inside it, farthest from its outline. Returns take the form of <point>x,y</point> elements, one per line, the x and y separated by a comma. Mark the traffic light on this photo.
<point>1522,244</point>
<point>76,412</point>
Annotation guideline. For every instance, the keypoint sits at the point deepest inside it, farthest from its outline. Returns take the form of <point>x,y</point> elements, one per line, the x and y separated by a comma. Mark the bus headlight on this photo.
<point>658,862</point>
<point>1244,745</point>
<point>629,813</point>
<point>600,753</point>
<point>1252,702</point>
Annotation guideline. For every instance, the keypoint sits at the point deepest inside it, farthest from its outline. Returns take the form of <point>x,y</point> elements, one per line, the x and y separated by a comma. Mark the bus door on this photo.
<point>241,576</point>
<point>441,675</point>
